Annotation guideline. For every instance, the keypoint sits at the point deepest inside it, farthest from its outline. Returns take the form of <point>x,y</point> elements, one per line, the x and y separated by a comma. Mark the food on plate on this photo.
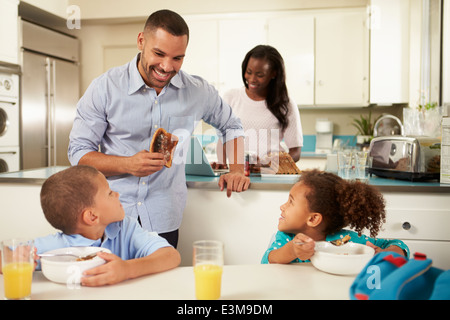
<point>280,163</point>
<point>165,143</point>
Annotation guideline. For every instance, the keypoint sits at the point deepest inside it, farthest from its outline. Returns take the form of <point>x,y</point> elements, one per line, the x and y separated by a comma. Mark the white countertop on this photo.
<point>239,282</point>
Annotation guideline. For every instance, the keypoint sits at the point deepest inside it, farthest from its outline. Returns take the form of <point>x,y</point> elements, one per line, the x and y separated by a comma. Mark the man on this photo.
<point>120,111</point>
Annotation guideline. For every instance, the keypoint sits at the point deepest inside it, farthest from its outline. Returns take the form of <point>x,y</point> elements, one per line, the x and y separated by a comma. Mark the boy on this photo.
<point>79,202</point>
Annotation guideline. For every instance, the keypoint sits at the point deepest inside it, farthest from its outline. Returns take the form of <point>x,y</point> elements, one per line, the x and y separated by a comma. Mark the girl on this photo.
<point>320,205</point>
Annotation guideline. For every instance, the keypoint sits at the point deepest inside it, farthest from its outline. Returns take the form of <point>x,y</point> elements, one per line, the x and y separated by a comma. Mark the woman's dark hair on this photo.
<point>169,21</point>
<point>344,203</point>
<point>277,94</point>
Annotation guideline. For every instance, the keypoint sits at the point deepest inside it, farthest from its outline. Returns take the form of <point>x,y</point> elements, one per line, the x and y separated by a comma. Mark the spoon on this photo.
<point>79,258</point>
<point>337,242</point>
<point>340,242</point>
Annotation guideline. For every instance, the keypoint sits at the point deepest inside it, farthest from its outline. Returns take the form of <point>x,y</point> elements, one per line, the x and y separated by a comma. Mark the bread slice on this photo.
<point>165,143</point>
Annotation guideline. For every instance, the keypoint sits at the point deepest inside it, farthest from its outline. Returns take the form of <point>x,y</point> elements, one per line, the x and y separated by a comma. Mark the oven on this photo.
<point>9,120</point>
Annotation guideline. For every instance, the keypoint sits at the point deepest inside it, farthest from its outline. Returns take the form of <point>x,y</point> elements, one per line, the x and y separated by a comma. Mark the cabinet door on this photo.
<point>293,37</point>
<point>389,46</point>
<point>9,31</point>
<point>237,37</point>
<point>342,58</point>
<point>202,51</point>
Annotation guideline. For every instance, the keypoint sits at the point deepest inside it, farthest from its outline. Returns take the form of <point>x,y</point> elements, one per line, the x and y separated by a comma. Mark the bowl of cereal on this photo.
<point>66,265</point>
<point>347,259</point>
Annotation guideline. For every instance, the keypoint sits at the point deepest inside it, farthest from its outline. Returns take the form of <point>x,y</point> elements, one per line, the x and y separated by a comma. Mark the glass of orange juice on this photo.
<point>17,268</point>
<point>208,264</point>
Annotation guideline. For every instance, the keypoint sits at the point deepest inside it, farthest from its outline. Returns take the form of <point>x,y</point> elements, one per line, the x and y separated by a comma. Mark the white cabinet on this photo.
<point>326,52</point>
<point>9,47</point>
<point>202,54</point>
<point>421,221</point>
<point>297,51</point>
<point>342,58</point>
<point>237,37</point>
<point>326,55</point>
<point>389,51</point>
<point>217,47</point>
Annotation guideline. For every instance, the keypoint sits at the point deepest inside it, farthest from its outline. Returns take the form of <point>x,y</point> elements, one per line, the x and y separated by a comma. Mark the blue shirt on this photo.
<point>125,239</point>
<point>119,113</point>
<point>282,238</point>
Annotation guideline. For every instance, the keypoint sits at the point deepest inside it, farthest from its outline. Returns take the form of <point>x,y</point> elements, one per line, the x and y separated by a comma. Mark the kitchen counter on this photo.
<point>239,282</point>
<point>267,182</point>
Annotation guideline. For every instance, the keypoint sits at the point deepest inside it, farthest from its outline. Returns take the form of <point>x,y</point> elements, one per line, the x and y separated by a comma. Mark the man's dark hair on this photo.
<point>169,21</point>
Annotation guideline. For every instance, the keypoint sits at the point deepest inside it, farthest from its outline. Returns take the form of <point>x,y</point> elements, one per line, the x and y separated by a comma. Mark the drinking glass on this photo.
<point>362,164</point>
<point>17,268</point>
<point>345,164</point>
<point>208,264</point>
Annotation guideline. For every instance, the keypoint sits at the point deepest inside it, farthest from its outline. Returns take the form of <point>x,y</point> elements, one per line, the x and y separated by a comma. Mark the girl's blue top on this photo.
<point>282,238</point>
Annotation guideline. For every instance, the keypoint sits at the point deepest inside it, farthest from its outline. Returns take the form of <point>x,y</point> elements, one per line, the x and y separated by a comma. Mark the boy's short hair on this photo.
<point>66,194</point>
<point>169,21</point>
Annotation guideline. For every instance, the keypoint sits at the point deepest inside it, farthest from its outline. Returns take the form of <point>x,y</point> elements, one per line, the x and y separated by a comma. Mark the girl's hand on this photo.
<point>303,246</point>
<point>392,248</point>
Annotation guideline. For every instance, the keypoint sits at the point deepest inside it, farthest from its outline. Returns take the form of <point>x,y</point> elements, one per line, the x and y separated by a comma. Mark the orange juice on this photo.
<point>17,278</point>
<point>208,280</point>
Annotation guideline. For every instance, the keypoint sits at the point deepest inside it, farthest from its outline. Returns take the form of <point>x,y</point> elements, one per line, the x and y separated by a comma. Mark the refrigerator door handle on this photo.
<point>49,113</point>
<point>53,108</point>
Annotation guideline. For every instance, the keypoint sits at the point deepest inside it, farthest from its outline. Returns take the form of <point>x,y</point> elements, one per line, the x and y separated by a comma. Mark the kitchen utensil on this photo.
<point>337,242</point>
<point>79,258</point>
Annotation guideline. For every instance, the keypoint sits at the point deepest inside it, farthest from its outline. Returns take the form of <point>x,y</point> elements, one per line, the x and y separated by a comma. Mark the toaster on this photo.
<point>405,157</point>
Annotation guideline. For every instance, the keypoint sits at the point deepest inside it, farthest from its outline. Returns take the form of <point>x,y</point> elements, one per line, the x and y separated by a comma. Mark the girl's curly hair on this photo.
<point>344,203</point>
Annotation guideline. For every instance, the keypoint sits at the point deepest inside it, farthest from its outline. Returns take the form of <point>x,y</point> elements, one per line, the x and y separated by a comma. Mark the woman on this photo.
<point>267,113</point>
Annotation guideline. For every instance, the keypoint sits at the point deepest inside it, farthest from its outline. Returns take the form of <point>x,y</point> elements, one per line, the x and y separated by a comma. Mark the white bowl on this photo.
<point>347,259</point>
<point>66,269</point>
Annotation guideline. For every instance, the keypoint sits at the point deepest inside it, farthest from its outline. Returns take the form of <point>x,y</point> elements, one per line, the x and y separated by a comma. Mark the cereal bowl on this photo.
<point>347,259</point>
<point>68,269</point>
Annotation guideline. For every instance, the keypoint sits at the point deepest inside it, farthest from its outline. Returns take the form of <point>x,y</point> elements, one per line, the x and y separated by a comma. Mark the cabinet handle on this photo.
<point>406,226</point>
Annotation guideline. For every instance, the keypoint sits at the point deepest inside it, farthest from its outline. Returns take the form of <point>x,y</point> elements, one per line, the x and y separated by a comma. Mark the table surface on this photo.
<point>239,282</point>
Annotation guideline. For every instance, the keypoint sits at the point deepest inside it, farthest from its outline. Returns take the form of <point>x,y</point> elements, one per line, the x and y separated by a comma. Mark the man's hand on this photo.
<point>145,163</point>
<point>235,181</point>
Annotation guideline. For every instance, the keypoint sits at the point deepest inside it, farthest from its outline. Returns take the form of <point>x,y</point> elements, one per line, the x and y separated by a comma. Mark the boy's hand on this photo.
<point>113,271</point>
<point>303,246</point>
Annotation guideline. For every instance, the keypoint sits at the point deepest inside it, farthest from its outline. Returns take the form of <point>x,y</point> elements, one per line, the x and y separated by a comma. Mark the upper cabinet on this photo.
<point>347,57</point>
<point>326,55</point>
<point>389,51</point>
<point>342,58</point>
<point>326,52</point>
<point>294,37</point>
<point>9,47</point>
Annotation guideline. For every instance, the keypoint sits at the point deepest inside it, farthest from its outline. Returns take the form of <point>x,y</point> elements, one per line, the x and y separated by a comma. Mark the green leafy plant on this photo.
<point>428,106</point>
<point>364,124</point>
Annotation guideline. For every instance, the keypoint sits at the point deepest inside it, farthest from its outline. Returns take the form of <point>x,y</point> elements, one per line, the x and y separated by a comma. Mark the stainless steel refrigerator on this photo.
<point>49,94</point>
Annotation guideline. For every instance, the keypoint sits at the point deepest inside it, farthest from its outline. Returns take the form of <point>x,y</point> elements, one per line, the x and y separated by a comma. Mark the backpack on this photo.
<point>391,276</point>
